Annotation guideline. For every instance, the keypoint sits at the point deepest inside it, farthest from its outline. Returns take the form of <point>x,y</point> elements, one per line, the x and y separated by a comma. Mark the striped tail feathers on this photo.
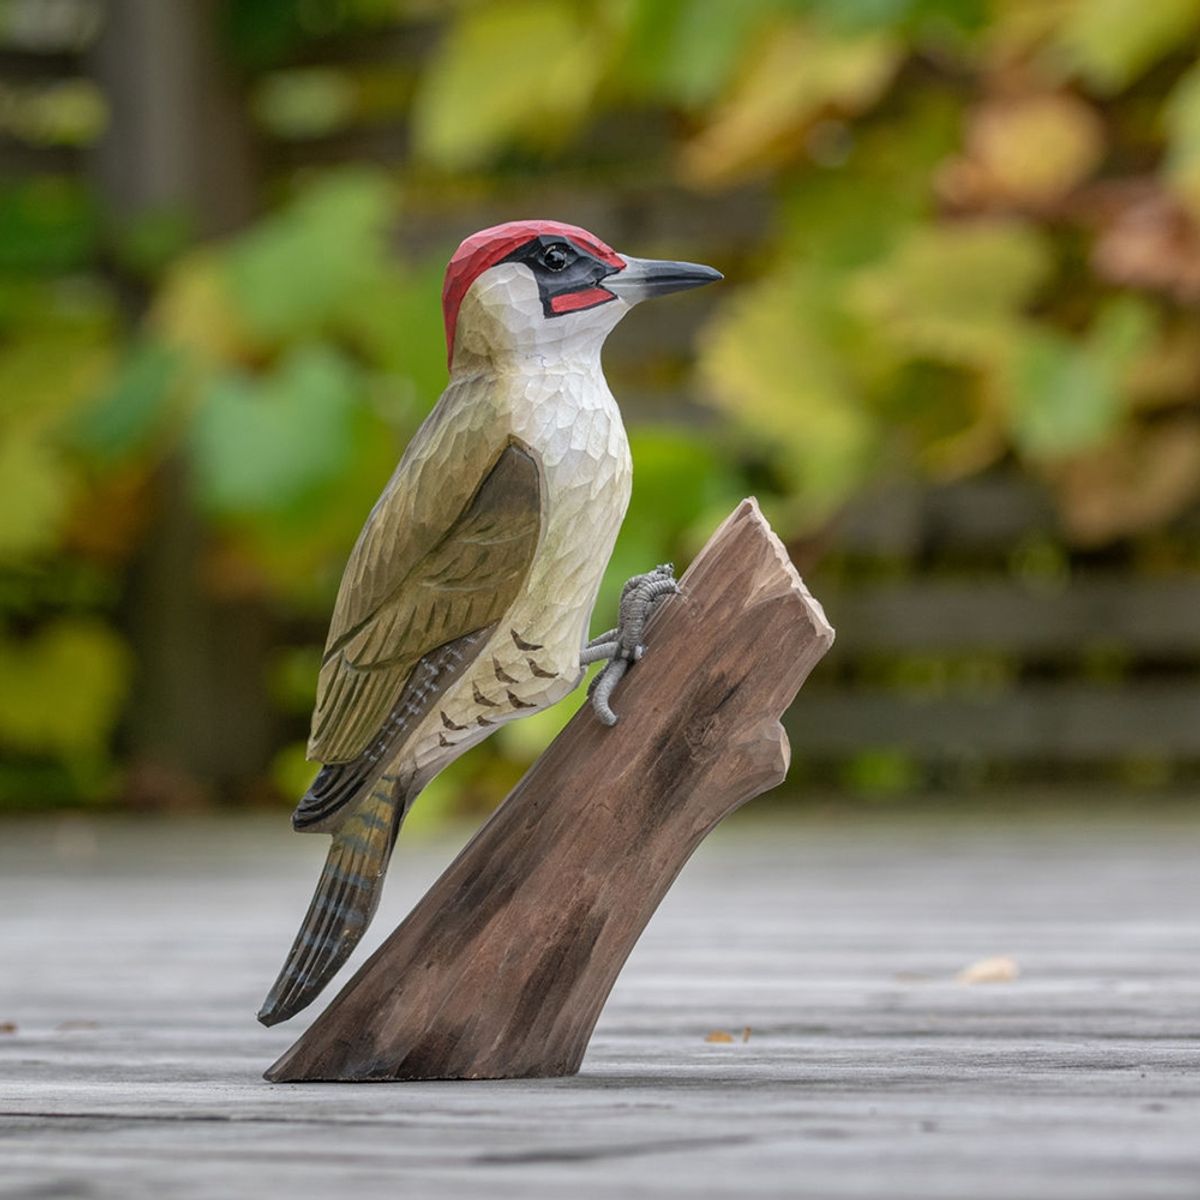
<point>345,901</point>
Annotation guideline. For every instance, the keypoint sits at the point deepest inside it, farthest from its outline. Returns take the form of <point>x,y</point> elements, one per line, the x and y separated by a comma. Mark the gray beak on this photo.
<point>643,278</point>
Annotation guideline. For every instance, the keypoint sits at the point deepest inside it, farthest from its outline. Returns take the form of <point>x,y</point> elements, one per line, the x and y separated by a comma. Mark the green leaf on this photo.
<point>264,445</point>
<point>678,474</point>
<point>298,272</point>
<point>525,739</point>
<point>293,678</point>
<point>1123,329</point>
<point>291,772</point>
<point>930,20</point>
<point>398,325</point>
<point>680,481</point>
<point>47,223</point>
<point>835,218</point>
<point>1182,114</point>
<point>123,419</point>
<point>882,772</point>
<point>63,688</point>
<point>1067,397</point>
<point>1062,398</point>
<point>526,68</point>
<point>684,51</point>
<point>146,244</point>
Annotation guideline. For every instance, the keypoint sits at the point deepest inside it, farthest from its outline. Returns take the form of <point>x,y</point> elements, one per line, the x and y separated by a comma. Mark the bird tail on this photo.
<point>344,903</point>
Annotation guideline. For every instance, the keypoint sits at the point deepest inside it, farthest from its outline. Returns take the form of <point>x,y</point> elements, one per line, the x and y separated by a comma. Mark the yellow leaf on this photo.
<point>70,112</point>
<point>954,293</point>
<point>1136,481</point>
<point>1168,371</point>
<point>1111,42</point>
<point>46,372</point>
<point>35,493</point>
<point>719,1037</point>
<point>63,688</point>
<point>1000,969</point>
<point>307,102</point>
<point>791,389</point>
<point>195,311</point>
<point>1018,29</point>
<point>526,68</point>
<point>795,76</point>
<point>952,419</point>
<point>1034,148</point>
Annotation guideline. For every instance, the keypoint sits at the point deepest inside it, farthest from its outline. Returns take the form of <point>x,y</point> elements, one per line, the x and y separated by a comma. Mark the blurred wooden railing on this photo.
<point>955,661</point>
<point>972,647</point>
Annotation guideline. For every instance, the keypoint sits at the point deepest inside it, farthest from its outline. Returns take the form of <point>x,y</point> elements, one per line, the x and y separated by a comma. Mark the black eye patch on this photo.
<point>567,276</point>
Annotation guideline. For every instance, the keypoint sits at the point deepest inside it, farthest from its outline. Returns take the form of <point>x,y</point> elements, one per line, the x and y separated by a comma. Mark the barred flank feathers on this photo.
<point>343,904</point>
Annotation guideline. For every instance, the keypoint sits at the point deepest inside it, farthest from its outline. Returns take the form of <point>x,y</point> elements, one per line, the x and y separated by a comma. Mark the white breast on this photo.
<point>571,424</point>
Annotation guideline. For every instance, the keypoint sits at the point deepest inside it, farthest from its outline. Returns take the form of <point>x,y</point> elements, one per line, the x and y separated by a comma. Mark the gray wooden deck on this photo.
<point>133,956</point>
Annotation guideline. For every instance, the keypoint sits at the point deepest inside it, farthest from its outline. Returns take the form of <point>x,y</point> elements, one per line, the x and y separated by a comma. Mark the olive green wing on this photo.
<point>414,584</point>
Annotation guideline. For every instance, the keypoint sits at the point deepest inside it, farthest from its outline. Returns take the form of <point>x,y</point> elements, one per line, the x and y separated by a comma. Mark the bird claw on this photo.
<point>623,645</point>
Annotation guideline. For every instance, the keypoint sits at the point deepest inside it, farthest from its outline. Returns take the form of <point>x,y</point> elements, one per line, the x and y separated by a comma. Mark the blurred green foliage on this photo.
<point>984,246</point>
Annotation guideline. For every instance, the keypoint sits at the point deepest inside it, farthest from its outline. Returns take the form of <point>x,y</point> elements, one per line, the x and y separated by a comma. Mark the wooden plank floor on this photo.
<point>133,956</point>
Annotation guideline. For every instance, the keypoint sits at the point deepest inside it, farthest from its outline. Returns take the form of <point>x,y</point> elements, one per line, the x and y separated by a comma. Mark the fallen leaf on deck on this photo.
<point>990,970</point>
<point>8,1027</point>
<point>746,1034</point>
<point>718,1035</point>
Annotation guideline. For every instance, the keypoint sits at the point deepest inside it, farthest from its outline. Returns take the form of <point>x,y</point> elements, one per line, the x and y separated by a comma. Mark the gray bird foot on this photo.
<point>623,645</point>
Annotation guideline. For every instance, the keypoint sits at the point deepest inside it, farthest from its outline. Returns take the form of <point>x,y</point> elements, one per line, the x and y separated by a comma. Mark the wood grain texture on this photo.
<point>503,967</point>
<point>133,951</point>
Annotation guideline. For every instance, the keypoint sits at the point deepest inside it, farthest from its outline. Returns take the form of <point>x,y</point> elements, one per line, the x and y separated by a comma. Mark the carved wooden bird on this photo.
<point>467,597</point>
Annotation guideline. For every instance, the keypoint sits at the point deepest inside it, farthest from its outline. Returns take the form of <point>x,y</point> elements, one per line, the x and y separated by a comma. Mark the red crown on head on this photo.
<point>490,246</point>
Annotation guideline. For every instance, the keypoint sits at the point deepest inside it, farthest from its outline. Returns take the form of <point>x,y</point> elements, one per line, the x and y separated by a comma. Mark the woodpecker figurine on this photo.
<point>467,597</point>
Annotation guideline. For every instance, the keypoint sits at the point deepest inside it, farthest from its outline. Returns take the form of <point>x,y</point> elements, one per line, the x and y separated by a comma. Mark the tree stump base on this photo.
<point>502,968</point>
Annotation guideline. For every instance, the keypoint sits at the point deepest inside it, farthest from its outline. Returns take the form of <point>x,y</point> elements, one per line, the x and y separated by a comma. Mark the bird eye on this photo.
<point>557,257</point>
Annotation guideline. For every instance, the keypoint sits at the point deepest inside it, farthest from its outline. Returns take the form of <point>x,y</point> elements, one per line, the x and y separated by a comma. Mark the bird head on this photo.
<point>546,292</point>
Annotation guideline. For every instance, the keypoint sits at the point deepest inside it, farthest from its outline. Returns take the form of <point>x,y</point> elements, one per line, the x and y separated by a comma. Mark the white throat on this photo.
<point>502,328</point>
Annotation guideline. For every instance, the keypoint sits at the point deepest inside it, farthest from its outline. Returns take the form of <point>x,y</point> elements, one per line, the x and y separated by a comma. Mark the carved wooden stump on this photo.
<point>501,970</point>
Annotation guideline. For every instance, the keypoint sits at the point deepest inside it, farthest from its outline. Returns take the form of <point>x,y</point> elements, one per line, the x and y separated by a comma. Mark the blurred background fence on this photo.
<point>956,357</point>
